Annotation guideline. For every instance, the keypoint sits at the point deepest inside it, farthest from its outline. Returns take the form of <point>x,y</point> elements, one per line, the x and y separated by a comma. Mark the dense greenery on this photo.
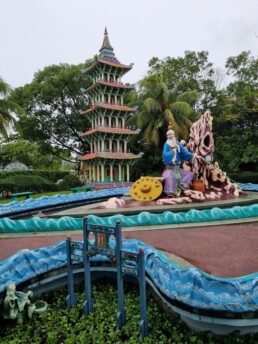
<point>31,154</point>
<point>59,326</point>
<point>37,181</point>
<point>52,104</point>
<point>7,109</point>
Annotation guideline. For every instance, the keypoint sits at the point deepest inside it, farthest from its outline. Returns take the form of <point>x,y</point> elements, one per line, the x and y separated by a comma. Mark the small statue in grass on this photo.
<point>17,305</point>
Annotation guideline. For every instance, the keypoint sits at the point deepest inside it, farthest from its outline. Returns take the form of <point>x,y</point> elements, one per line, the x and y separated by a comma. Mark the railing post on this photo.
<point>88,303</point>
<point>71,299</point>
<point>143,306</point>
<point>121,315</point>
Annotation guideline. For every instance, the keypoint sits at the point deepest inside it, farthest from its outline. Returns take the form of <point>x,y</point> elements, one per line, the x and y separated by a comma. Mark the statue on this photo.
<point>17,305</point>
<point>175,177</point>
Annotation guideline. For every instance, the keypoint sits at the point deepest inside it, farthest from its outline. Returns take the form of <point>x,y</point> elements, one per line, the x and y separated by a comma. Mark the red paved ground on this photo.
<point>223,251</point>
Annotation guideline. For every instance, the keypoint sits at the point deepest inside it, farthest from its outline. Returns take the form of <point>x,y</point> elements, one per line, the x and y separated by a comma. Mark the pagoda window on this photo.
<point>105,77</point>
<point>114,146</point>
<point>112,100</point>
<point>113,122</point>
<point>120,123</point>
<point>106,121</point>
<point>111,78</point>
<point>107,147</point>
<point>122,150</point>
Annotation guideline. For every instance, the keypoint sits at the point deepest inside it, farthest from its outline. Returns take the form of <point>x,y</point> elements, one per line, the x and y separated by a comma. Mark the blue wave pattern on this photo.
<point>143,219</point>
<point>190,286</point>
<point>45,201</point>
<point>248,186</point>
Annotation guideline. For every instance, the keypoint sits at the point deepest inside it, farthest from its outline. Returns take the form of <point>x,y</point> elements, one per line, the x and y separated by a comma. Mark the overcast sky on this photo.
<point>38,33</point>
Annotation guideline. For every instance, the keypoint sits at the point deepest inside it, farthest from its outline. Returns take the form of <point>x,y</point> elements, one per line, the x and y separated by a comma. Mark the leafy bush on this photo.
<point>60,326</point>
<point>49,175</point>
<point>21,183</point>
<point>245,177</point>
<point>69,181</point>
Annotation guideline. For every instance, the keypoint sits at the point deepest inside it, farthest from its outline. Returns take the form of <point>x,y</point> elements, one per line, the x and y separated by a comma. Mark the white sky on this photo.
<point>38,33</point>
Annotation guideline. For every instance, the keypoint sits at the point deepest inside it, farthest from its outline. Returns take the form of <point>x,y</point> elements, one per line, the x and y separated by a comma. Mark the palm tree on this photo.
<point>157,107</point>
<point>7,109</point>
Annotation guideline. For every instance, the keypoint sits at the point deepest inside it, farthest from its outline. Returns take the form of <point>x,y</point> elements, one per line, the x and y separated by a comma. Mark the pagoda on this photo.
<point>109,159</point>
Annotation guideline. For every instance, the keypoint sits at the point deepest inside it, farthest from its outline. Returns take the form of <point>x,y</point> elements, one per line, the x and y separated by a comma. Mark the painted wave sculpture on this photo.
<point>189,286</point>
<point>51,201</point>
<point>142,219</point>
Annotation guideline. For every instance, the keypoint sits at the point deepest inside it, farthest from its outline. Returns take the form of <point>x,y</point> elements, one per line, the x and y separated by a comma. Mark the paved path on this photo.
<point>228,250</point>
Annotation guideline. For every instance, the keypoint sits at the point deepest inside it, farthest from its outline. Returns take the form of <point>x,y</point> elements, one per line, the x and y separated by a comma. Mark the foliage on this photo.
<point>21,183</point>
<point>53,176</point>
<point>192,72</point>
<point>244,177</point>
<point>244,69</point>
<point>7,109</point>
<point>53,104</point>
<point>157,107</point>
<point>59,325</point>
<point>30,154</point>
<point>235,130</point>
<point>69,181</point>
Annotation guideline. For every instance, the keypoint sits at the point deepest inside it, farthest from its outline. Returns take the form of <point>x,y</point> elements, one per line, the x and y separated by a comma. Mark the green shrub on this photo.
<point>69,181</point>
<point>244,177</point>
<point>23,183</point>
<point>49,175</point>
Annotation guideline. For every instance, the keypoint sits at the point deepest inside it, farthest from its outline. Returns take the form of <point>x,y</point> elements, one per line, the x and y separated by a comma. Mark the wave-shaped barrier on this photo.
<point>248,186</point>
<point>30,204</point>
<point>52,201</point>
<point>142,219</point>
<point>189,286</point>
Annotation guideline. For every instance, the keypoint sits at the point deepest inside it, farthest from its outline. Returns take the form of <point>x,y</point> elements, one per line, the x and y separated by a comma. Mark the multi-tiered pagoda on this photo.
<point>109,159</point>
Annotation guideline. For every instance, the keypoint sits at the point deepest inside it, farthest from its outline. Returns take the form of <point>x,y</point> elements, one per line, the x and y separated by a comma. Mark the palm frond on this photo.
<point>190,97</point>
<point>147,135</point>
<point>143,119</point>
<point>150,105</point>
<point>181,108</point>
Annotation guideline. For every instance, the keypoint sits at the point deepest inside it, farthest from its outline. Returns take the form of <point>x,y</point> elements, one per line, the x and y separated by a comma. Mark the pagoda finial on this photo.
<point>106,50</point>
<point>106,46</point>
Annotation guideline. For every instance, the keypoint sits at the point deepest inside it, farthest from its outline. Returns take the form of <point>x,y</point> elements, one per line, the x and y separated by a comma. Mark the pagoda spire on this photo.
<point>106,49</point>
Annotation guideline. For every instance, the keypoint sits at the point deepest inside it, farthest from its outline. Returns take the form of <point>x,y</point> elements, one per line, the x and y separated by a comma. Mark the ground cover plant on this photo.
<point>60,326</point>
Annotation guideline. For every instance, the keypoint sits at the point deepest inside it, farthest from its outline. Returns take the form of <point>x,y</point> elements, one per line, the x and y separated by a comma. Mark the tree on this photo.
<point>7,109</point>
<point>236,129</point>
<point>52,103</point>
<point>157,107</point>
<point>30,154</point>
<point>192,72</point>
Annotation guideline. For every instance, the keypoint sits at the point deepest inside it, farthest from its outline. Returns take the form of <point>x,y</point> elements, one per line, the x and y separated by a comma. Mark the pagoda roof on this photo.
<point>110,130</point>
<point>110,155</point>
<point>109,106</point>
<point>107,61</point>
<point>107,83</point>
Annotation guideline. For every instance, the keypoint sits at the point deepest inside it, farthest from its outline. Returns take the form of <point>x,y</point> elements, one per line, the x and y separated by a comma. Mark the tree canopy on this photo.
<point>52,103</point>
<point>8,109</point>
